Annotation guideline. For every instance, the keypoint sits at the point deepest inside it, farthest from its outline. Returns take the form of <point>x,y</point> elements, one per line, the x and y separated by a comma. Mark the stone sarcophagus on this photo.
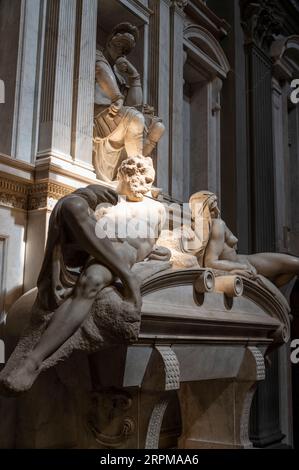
<point>187,382</point>
<point>191,377</point>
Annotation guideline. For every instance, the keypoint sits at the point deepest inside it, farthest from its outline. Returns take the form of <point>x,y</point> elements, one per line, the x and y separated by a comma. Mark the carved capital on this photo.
<point>261,21</point>
<point>45,195</point>
<point>180,3</point>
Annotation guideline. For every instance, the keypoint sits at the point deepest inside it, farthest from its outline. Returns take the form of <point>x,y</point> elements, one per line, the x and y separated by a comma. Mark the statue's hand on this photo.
<point>124,66</point>
<point>252,269</point>
<point>243,272</point>
<point>160,253</point>
<point>115,107</point>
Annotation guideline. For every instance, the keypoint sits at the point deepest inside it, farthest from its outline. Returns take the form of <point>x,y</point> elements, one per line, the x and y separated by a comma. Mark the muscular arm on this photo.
<point>134,96</point>
<point>215,248</point>
<point>83,229</point>
<point>106,80</point>
<point>160,253</point>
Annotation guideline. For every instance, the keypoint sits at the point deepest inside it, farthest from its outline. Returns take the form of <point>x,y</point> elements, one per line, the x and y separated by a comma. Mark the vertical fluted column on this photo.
<point>159,71</point>
<point>261,149</point>
<point>57,82</point>
<point>83,100</point>
<point>176,100</point>
<point>265,425</point>
<point>279,106</point>
<point>28,80</point>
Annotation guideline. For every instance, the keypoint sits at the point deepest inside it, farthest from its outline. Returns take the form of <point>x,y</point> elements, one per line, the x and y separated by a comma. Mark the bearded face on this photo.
<point>135,177</point>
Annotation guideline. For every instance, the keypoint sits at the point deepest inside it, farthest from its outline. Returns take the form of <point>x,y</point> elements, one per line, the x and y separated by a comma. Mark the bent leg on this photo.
<point>134,136</point>
<point>65,321</point>
<point>155,132</point>
<point>278,267</point>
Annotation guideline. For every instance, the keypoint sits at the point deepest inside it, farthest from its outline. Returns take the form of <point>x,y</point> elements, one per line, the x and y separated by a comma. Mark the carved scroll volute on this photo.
<point>180,3</point>
<point>261,21</point>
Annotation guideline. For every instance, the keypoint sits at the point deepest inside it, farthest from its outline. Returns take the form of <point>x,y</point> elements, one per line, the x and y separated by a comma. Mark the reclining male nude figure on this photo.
<point>80,259</point>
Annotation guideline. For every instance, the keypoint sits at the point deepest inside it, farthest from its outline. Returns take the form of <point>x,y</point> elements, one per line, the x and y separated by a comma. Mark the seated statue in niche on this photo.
<point>123,127</point>
<point>209,243</point>
<point>81,260</point>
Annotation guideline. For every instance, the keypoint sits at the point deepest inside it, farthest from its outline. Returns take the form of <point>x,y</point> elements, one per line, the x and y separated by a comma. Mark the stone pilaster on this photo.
<point>261,23</point>
<point>10,19</point>
<point>159,71</point>
<point>261,149</point>
<point>176,167</point>
<point>83,101</point>
<point>279,109</point>
<point>30,54</point>
<point>57,81</point>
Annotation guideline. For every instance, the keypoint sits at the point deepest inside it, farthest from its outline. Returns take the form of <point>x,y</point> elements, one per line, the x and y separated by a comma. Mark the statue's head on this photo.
<point>122,40</point>
<point>135,177</point>
<point>204,208</point>
<point>203,204</point>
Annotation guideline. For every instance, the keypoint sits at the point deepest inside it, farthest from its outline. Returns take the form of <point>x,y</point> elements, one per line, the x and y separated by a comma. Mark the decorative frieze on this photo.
<point>13,194</point>
<point>45,195</point>
<point>34,196</point>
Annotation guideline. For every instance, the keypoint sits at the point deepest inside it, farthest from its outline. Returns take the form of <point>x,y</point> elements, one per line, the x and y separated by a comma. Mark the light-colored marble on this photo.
<point>26,102</point>
<point>176,166</point>
<point>84,83</point>
<point>57,83</point>
<point>13,225</point>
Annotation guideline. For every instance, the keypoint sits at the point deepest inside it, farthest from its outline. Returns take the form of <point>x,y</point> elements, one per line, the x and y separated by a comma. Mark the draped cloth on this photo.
<point>108,141</point>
